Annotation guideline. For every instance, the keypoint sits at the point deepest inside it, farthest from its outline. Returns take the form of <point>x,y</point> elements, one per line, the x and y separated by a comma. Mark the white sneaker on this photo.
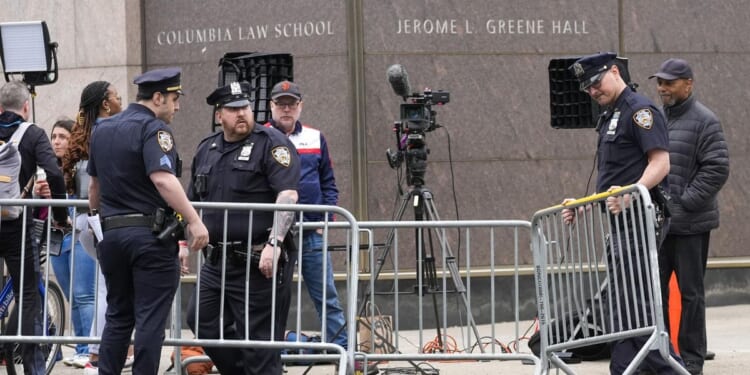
<point>79,360</point>
<point>68,361</point>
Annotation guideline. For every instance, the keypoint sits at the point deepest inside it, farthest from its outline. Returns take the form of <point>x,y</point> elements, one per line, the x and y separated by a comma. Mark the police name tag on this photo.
<point>245,152</point>
<point>612,129</point>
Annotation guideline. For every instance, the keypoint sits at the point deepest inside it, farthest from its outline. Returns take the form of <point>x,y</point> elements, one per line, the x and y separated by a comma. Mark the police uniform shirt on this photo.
<point>125,150</point>
<point>254,170</point>
<point>632,128</point>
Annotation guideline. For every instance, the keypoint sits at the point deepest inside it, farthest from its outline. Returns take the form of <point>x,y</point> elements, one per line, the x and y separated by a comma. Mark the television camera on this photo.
<point>417,117</point>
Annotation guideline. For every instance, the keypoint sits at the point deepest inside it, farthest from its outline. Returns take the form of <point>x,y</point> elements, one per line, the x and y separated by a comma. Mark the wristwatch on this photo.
<point>274,242</point>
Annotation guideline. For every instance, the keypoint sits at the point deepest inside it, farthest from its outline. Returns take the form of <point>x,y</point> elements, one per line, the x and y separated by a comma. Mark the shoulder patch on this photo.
<point>644,118</point>
<point>282,155</point>
<point>165,140</point>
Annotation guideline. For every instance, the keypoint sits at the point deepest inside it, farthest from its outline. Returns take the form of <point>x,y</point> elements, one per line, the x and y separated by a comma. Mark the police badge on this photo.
<point>578,69</point>
<point>644,118</point>
<point>245,152</point>
<point>235,88</point>
<point>165,140</point>
<point>282,155</point>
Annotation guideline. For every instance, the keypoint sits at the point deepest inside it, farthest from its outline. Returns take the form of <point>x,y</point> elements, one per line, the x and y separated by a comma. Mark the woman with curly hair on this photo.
<point>99,100</point>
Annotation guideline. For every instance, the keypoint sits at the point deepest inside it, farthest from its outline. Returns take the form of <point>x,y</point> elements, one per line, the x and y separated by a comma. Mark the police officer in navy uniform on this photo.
<point>134,167</point>
<point>247,163</point>
<point>633,148</point>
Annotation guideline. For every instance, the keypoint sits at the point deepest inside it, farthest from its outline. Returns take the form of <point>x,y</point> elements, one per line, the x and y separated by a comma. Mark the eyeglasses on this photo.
<point>289,105</point>
<point>118,98</point>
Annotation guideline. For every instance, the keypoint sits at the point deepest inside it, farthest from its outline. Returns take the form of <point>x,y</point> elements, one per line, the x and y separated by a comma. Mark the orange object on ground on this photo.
<point>675,310</point>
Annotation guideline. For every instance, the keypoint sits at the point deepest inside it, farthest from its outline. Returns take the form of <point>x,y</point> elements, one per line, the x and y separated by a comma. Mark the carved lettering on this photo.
<point>514,26</point>
<point>303,29</point>
<point>193,36</point>
<point>575,27</point>
<point>252,32</point>
<point>244,32</point>
<point>427,26</point>
<point>494,26</point>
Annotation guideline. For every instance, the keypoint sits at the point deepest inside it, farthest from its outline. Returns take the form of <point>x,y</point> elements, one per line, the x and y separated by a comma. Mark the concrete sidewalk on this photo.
<point>728,336</point>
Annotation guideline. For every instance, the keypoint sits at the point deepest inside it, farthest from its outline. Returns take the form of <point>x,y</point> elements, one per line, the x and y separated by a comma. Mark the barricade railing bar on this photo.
<point>326,352</point>
<point>597,276</point>
<point>455,299</point>
<point>412,330</point>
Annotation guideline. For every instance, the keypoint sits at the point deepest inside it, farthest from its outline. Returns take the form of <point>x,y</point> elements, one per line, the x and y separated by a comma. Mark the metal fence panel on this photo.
<point>597,276</point>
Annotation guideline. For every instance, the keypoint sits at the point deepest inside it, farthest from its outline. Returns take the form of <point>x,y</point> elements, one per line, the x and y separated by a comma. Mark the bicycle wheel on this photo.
<point>55,327</point>
<point>55,324</point>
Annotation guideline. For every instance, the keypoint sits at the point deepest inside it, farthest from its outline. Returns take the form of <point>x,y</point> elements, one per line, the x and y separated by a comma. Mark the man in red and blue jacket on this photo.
<point>317,186</point>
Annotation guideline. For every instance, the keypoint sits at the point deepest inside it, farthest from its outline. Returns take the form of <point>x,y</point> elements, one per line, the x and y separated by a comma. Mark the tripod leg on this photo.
<point>390,238</point>
<point>380,261</point>
<point>450,262</point>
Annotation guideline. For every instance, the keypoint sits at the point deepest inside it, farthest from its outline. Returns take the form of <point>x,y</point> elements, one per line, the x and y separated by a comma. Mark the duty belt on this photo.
<point>236,252</point>
<point>129,220</point>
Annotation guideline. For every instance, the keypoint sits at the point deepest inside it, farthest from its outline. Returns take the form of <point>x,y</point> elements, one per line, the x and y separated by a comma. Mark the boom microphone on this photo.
<point>399,80</point>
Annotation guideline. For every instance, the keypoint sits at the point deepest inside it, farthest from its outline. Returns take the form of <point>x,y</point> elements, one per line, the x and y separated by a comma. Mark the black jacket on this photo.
<point>36,150</point>
<point>699,161</point>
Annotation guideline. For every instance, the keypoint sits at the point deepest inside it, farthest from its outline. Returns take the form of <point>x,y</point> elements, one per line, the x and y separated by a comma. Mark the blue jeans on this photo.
<point>83,297</point>
<point>312,272</point>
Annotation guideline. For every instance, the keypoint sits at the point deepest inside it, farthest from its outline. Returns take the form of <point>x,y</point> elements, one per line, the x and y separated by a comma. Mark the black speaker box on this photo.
<point>262,71</point>
<point>571,108</point>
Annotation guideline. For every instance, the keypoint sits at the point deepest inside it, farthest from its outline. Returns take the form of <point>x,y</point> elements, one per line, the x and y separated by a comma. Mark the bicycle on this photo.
<point>55,325</point>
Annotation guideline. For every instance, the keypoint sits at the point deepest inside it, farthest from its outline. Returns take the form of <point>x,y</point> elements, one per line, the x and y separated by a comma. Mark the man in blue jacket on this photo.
<point>317,186</point>
<point>699,168</point>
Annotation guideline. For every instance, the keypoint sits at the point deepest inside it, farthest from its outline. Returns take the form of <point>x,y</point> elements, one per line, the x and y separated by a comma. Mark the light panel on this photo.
<point>24,46</point>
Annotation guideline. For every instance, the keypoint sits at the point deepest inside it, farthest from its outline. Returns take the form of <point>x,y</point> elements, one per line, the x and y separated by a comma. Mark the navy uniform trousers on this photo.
<point>626,256</point>
<point>258,308</point>
<point>142,275</point>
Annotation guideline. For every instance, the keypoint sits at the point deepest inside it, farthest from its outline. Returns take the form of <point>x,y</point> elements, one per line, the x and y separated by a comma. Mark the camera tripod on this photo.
<point>424,210</point>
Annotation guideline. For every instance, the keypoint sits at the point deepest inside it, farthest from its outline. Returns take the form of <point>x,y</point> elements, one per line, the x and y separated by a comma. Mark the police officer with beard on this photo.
<point>246,163</point>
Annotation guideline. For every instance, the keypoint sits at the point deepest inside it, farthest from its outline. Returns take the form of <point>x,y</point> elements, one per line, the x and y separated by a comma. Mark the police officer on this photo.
<point>35,150</point>
<point>134,167</point>
<point>247,162</point>
<point>633,148</point>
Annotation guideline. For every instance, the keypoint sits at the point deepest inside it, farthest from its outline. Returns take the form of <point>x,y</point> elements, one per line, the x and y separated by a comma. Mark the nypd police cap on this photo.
<point>286,88</point>
<point>590,69</point>
<point>235,94</point>
<point>159,80</point>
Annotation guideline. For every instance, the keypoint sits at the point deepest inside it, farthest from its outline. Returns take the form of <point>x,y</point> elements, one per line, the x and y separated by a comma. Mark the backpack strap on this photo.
<point>18,134</point>
<point>15,140</point>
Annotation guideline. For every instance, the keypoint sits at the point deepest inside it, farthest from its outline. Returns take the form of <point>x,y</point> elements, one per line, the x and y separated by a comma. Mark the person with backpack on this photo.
<point>35,151</point>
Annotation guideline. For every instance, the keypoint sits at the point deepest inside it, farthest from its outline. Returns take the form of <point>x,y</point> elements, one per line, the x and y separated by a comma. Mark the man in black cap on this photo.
<point>699,168</point>
<point>133,164</point>
<point>633,148</point>
<point>247,163</point>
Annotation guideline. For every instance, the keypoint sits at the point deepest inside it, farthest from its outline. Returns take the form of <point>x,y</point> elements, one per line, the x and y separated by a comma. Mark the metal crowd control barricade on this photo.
<point>318,351</point>
<point>597,277</point>
<point>60,332</point>
<point>401,332</point>
<point>56,313</point>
